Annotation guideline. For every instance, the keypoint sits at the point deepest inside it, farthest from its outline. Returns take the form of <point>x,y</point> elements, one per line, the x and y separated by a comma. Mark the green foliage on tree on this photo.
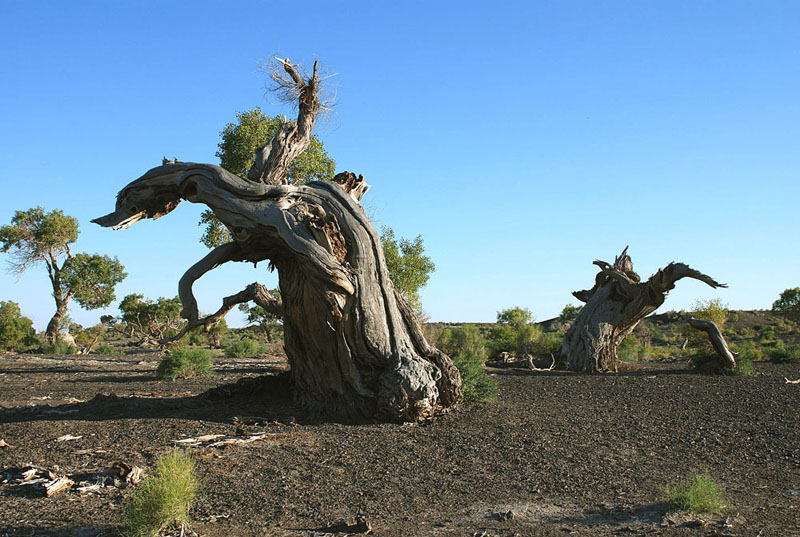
<point>16,330</point>
<point>408,266</point>
<point>466,338</point>
<point>569,313</point>
<point>788,303</point>
<point>515,333</point>
<point>270,324</point>
<point>36,237</point>
<point>151,320</point>
<point>236,152</point>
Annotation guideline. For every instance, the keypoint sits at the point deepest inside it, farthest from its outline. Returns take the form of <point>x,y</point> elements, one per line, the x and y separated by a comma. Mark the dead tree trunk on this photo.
<point>614,306</point>
<point>355,348</point>
<point>717,341</point>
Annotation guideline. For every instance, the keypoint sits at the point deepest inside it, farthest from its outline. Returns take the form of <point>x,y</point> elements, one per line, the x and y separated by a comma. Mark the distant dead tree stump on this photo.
<point>614,306</point>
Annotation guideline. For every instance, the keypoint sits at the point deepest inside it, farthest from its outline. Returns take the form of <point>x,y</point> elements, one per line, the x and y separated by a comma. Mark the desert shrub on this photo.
<point>185,362</point>
<point>59,346</point>
<point>467,338</point>
<point>515,332</point>
<point>549,343</point>
<point>105,349</point>
<point>244,348</point>
<point>698,494</point>
<point>744,366</point>
<point>16,330</point>
<point>477,385</point>
<point>780,353</point>
<point>659,352</point>
<point>631,349</point>
<point>163,500</point>
<point>748,350</point>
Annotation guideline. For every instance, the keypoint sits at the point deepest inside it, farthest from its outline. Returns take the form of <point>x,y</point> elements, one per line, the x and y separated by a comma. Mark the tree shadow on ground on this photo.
<point>267,396</point>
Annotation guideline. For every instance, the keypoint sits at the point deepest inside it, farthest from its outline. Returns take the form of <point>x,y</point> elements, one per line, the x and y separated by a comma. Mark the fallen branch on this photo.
<point>791,381</point>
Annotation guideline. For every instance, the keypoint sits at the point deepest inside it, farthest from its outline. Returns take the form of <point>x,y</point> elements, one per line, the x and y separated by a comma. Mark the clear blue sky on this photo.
<point>522,140</point>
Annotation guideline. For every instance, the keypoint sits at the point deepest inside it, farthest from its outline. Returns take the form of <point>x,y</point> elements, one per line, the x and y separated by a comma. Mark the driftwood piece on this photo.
<point>355,348</point>
<point>788,381</point>
<point>717,340</point>
<point>57,485</point>
<point>616,303</point>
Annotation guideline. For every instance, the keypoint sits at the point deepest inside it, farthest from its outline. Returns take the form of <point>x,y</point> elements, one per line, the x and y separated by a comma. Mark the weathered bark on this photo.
<point>354,346</point>
<point>614,306</point>
<point>717,341</point>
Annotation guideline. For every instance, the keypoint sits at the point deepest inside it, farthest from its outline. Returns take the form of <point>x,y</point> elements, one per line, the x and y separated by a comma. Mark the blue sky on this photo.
<point>522,140</point>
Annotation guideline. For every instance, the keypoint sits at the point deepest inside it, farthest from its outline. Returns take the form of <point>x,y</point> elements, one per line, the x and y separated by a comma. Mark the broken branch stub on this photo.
<point>616,303</point>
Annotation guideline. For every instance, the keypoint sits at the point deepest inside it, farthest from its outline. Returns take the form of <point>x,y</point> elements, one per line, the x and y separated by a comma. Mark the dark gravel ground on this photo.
<point>556,454</point>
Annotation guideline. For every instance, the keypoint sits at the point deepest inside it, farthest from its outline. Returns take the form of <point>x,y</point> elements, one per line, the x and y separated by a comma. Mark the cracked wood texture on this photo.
<point>617,303</point>
<point>355,348</point>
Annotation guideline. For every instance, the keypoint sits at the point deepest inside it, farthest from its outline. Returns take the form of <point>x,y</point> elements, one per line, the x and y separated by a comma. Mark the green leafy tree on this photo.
<point>269,323</point>
<point>408,266</point>
<point>569,313</point>
<point>515,332</point>
<point>35,237</point>
<point>237,151</point>
<point>151,320</point>
<point>788,303</point>
<point>16,330</point>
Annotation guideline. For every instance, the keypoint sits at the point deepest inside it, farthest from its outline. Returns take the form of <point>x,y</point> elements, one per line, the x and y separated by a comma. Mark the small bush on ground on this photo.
<point>780,353</point>
<point>59,347</point>
<point>106,350</point>
<point>467,338</point>
<point>631,349</point>
<point>477,385</point>
<point>164,499</point>
<point>244,348</point>
<point>698,494</point>
<point>185,362</point>
<point>550,343</point>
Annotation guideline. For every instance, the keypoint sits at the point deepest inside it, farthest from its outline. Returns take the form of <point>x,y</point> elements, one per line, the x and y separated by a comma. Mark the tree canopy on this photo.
<point>16,330</point>
<point>788,303</point>
<point>236,151</point>
<point>38,237</point>
<point>408,266</point>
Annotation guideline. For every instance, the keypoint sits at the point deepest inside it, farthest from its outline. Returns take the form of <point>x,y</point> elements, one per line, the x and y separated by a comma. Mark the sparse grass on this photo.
<point>477,385</point>
<point>185,362</point>
<point>698,494</point>
<point>164,499</point>
<point>244,348</point>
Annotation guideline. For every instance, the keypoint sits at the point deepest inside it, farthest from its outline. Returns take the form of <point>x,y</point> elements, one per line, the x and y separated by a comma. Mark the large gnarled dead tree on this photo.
<point>354,346</point>
<point>614,306</point>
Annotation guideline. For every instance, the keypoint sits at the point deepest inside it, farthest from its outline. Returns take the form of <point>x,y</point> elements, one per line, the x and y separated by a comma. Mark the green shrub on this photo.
<point>788,303</point>
<point>550,343</point>
<point>631,349</point>
<point>748,350</point>
<point>467,338</point>
<point>569,313</point>
<point>163,500</point>
<point>515,332</point>
<point>477,385</point>
<point>16,330</point>
<point>780,353</point>
<point>698,494</point>
<point>59,347</point>
<point>744,366</point>
<point>106,350</point>
<point>710,310</point>
<point>244,348</point>
<point>185,362</point>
